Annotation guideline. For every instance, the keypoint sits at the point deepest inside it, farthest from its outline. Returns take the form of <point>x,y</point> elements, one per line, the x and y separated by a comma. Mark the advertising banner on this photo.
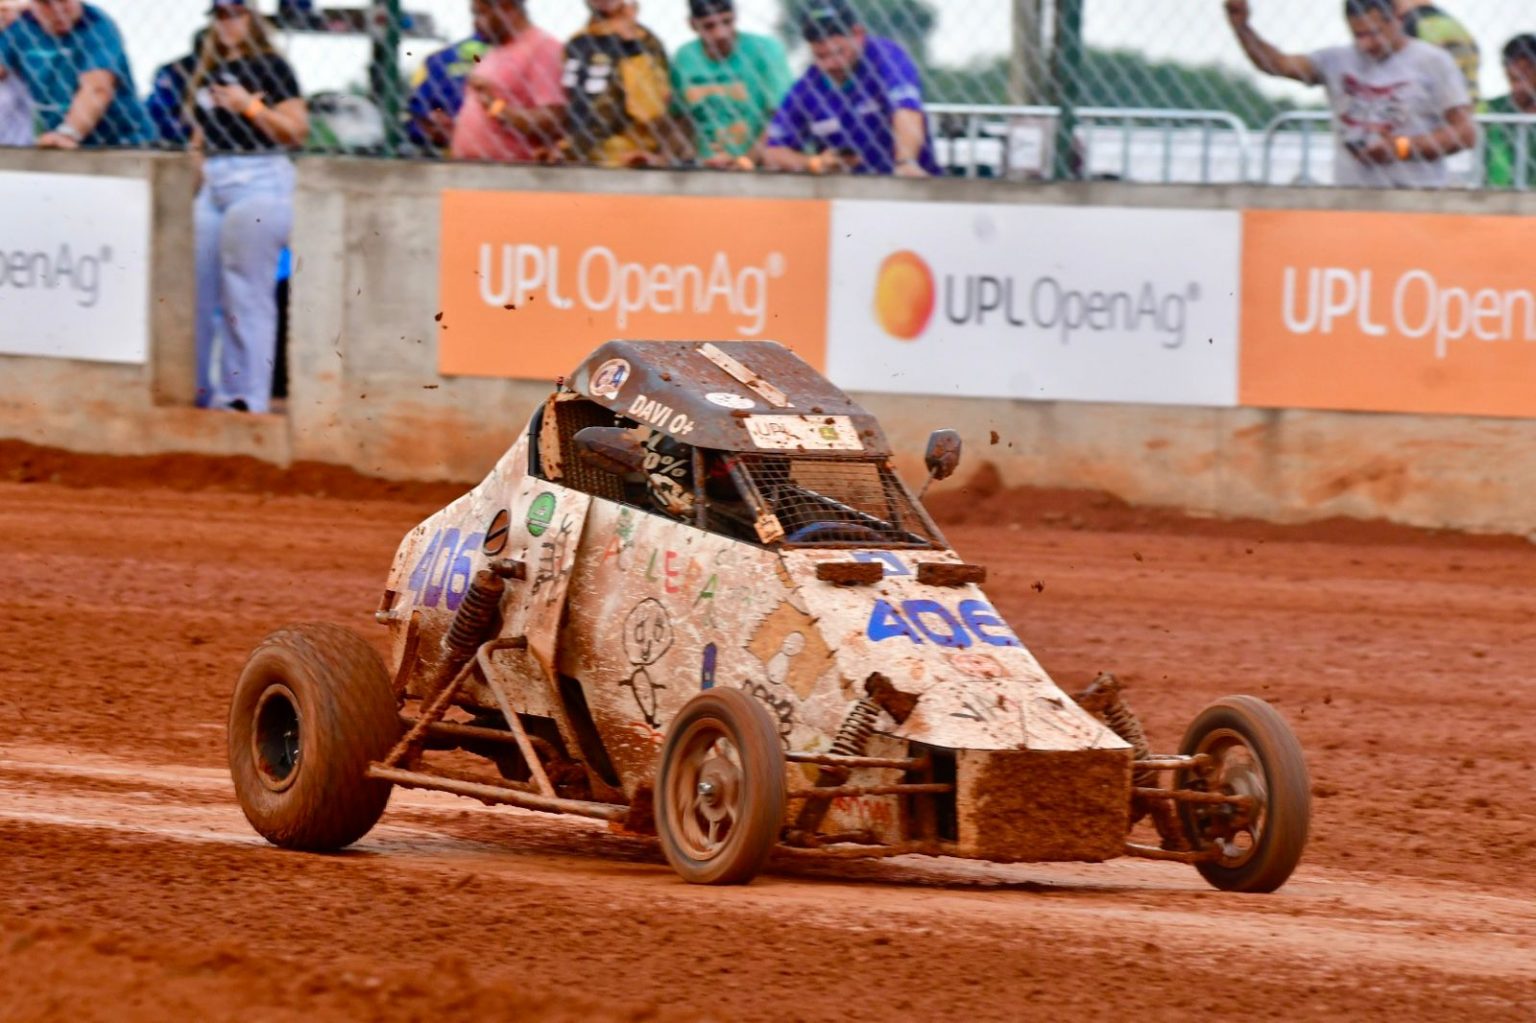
<point>532,282</point>
<point>74,267</point>
<point>1389,312</point>
<point>1037,302</point>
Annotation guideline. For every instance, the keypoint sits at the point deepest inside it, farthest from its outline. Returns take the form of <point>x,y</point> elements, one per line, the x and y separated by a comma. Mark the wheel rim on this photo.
<point>706,791</point>
<point>1235,770</point>
<point>275,739</point>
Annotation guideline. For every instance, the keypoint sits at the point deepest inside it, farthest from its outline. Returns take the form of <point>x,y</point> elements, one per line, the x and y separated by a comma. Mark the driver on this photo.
<point>670,479</point>
<point>669,474</point>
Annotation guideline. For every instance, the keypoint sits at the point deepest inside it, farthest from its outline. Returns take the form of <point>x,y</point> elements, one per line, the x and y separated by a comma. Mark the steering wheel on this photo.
<point>831,529</point>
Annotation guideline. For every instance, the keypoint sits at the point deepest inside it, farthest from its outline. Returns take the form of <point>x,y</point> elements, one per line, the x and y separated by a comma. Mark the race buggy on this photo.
<point>695,600</point>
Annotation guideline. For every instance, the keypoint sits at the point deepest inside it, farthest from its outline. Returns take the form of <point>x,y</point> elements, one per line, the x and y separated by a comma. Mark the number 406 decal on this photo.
<point>919,621</point>
<point>443,573</point>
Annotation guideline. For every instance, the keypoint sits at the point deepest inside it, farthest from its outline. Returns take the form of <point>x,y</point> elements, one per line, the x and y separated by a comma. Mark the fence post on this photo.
<point>1067,61</point>
<point>383,70</point>
<point>1025,73</point>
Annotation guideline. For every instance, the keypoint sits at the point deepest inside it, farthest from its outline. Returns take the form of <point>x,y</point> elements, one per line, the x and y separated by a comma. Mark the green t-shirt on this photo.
<point>1502,147</point>
<point>730,101</point>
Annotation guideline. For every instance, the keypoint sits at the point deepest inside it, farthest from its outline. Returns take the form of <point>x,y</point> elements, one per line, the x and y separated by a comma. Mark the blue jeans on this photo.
<point>243,217</point>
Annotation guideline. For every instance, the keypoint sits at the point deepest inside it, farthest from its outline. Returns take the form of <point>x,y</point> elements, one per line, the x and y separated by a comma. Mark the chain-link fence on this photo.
<point>1276,91</point>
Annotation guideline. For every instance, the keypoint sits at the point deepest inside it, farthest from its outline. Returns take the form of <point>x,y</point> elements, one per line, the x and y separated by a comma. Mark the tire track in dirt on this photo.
<point>1323,921</point>
<point>1401,658</point>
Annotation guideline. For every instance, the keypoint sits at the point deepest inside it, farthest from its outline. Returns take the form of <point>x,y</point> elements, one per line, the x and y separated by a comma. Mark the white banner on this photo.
<point>1037,302</point>
<point>74,267</point>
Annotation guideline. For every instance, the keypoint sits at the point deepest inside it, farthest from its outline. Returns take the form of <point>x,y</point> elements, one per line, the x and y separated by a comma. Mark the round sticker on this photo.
<point>541,513</point>
<point>496,534</point>
<point>725,400</point>
<point>610,376</point>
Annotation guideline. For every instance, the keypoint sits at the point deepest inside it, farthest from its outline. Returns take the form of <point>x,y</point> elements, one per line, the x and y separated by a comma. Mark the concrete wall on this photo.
<point>124,409</point>
<point>365,390</point>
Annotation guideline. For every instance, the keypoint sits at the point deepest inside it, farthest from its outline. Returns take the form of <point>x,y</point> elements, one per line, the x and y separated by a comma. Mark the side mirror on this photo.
<point>943,455</point>
<point>612,449</point>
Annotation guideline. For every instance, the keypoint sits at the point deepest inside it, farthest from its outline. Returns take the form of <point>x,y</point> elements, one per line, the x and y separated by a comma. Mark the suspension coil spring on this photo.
<point>1105,700</point>
<point>856,729</point>
<point>852,736</point>
<point>1123,720</point>
<point>476,615</point>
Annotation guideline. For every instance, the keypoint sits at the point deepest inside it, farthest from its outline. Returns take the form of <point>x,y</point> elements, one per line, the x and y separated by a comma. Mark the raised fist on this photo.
<point>1238,12</point>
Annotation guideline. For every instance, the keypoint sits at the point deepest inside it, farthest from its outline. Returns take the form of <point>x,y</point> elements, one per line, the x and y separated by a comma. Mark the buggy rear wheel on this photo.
<point>1253,753</point>
<point>720,789</point>
<point>312,709</point>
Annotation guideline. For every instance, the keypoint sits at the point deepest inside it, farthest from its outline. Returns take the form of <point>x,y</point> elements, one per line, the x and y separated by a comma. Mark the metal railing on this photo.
<point>1471,167</point>
<point>977,140</point>
<point>1524,125</point>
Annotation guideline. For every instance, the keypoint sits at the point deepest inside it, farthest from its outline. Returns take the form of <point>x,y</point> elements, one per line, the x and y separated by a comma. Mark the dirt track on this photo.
<point>135,890</point>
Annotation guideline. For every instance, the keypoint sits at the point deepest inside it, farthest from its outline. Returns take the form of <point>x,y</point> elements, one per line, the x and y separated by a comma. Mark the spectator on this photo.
<point>16,124</point>
<point>729,83</point>
<point>166,103</point>
<point>70,57</point>
<point>618,88</point>
<point>1504,150</point>
<point>17,127</point>
<point>300,15</point>
<point>437,92</point>
<point>859,109</point>
<point>1400,105</point>
<point>1423,20</point>
<point>514,105</point>
<point>247,112</point>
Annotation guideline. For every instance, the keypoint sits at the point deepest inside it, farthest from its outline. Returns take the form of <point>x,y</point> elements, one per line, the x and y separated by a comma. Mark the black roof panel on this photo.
<point>731,396</point>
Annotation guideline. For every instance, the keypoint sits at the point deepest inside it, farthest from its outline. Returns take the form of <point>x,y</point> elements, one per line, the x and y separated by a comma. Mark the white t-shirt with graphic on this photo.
<point>1406,94</point>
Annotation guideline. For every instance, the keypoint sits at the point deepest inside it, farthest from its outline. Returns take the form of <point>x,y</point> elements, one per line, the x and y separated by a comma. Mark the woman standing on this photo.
<point>245,105</point>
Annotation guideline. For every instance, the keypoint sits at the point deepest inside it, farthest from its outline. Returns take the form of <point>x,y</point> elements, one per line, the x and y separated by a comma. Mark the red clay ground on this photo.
<point>135,890</point>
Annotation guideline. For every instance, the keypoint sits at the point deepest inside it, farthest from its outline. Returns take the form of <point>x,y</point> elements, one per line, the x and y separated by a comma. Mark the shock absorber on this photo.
<point>857,727</point>
<point>472,624</point>
<point>852,738</point>
<point>1105,699</point>
<point>476,616</point>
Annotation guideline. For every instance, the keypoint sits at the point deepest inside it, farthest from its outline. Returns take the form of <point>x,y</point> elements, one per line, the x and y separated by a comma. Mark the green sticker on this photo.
<point>540,514</point>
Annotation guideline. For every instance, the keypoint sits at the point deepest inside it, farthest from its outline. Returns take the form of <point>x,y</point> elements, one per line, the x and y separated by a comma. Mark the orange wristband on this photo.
<point>497,108</point>
<point>253,108</point>
<point>1404,147</point>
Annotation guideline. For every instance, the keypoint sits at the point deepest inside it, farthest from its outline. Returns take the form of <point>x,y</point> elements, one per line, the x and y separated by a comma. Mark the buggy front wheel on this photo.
<point>1251,751</point>
<point>720,788</point>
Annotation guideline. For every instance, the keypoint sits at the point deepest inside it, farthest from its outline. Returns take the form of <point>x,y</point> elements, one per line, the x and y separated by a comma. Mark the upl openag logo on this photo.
<point>908,294</point>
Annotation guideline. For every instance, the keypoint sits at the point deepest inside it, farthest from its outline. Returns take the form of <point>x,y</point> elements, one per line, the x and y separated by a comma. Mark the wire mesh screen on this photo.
<point>839,503</point>
<point>1146,90</point>
<point>571,417</point>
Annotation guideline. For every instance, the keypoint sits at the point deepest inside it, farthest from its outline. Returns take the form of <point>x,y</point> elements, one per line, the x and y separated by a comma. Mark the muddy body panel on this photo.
<point>658,611</point>
<point>973,683</point>
<point>1042,805</point>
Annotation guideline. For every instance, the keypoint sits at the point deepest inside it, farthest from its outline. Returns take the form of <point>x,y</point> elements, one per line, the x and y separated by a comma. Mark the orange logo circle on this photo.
<point>904,295</point>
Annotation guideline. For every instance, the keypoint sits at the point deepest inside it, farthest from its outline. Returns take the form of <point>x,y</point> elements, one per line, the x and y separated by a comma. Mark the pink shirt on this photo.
<point>526,71</point>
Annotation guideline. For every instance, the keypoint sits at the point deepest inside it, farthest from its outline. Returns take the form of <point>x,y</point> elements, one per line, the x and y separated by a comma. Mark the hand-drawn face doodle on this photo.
<point>647,638</point>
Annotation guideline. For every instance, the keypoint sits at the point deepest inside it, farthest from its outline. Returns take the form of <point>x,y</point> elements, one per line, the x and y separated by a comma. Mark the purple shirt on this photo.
<point>820,115</point>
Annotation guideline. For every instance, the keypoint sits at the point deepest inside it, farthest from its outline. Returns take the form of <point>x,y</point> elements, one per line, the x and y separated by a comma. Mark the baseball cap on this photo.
<point>704,8</point>
<point>216,4</point>
<point>822,18</point>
